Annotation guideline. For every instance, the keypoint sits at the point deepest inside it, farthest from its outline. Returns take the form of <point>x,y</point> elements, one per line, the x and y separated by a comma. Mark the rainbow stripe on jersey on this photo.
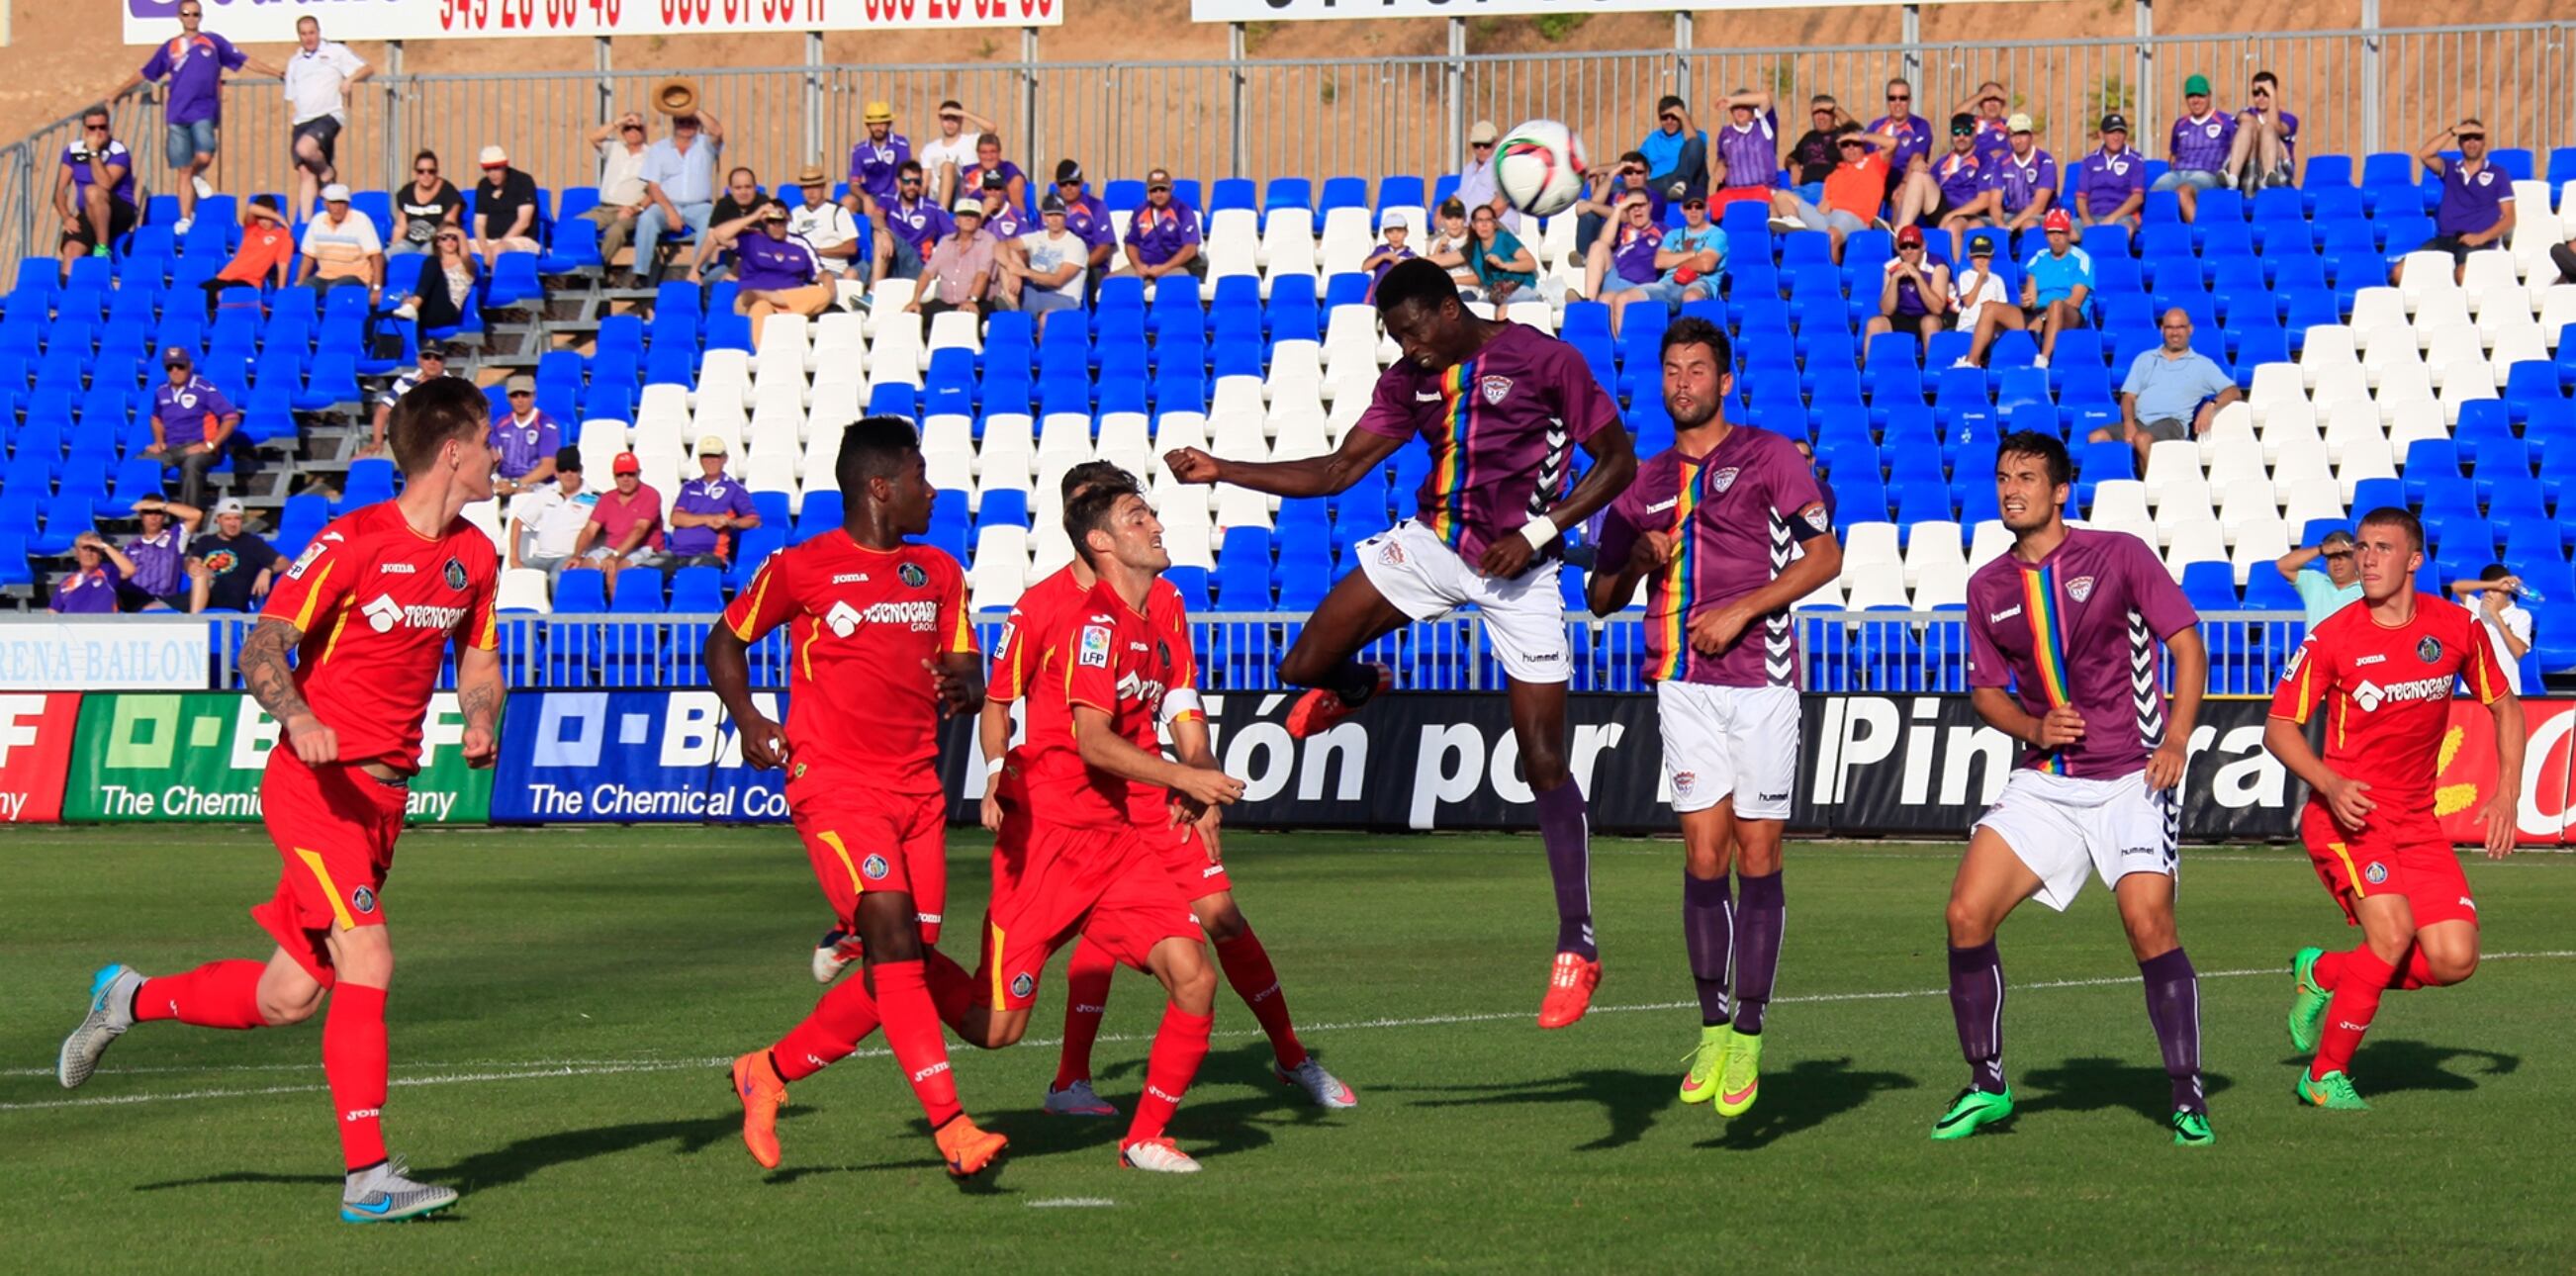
<point>1450,476</point>
<point>1679,576</point>
<point>2047,622</point>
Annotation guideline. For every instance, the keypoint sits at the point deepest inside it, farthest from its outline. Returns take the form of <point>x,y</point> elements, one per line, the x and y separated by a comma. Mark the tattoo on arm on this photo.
<point>266,672</point>
<point>481,703</point>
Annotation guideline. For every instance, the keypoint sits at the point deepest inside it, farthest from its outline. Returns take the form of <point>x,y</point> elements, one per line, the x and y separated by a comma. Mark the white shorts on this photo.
<point>2060,825</point>
<point>1427,580</point>
<point>1729,741</point>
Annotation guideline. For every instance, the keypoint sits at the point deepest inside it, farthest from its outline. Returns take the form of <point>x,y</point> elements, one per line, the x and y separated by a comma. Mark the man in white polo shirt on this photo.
<point>317,81</point>
<point>546,521</point>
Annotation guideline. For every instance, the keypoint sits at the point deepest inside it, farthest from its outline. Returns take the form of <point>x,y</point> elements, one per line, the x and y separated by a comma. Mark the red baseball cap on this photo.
<point>2057,220</point>
<point>1909,236</point>
<point>626,464</point>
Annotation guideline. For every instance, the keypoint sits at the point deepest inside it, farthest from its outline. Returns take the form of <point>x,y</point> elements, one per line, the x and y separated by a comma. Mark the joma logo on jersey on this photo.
<point>2369,696</point>
<point>384,614</point>
<point>2371,659</point>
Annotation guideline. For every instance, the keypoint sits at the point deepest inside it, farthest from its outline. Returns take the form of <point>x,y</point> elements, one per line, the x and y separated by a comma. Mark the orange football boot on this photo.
<point>966,1149</point>
<point>757,1084</point>
<point>1569,990</point>
<point>1321,709</point>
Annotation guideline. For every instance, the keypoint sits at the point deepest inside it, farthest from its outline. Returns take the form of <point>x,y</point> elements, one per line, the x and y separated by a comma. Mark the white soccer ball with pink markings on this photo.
<point>1539,167</point>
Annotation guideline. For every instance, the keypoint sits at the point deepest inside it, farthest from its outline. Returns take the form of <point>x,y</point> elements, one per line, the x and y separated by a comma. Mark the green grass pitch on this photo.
<point>565,998</point>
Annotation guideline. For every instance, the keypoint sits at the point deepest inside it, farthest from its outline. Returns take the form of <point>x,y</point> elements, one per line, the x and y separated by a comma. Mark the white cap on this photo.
<point>335,193</point>
<point>492,155</point>
<point>230,505</point>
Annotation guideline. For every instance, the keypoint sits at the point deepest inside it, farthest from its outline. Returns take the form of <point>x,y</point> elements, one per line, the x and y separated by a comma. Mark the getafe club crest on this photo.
<point>1720,480</point>
<point>911,574</point>
<point>2080,588</point>
<point>874,867</point>
<point>2429,650</point>
<point>1495,388</point>
<point>455,575</point>
<point>1022,986</point>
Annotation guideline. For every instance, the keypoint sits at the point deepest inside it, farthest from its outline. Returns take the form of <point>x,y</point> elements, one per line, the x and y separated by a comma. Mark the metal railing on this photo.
<point>1894,652</point>
<point>2355,91</point>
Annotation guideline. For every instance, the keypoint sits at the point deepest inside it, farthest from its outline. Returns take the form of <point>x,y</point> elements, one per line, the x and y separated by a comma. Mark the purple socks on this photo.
<point>1760,913</point>
<point>2173,1005</point>
<point>1567,830</point>
<point>1708,932</point>
<point>1977,1003</point>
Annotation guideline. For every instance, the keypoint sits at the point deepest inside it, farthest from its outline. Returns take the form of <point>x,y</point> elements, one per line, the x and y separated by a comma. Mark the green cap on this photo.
<point>2197,85</point>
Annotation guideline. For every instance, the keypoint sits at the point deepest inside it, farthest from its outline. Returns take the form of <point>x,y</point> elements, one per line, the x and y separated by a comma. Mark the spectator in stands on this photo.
<point>1947,194</point>
<point>1977,287</point>
<point>526,439</point>
<point>439,293</point>
<point>420,208</point>
<point>1852,191</point>
<point>2198,148</point>
<point>2266,149</point>
<point>1824,486</point>
<point>267,253</point>
<point>2325,590</point>
<point>1393,246</point>
<point>2476,211</point>
<point>317,79</point>
<point>94,191</point>
<point>826,227</point>
<point>2508,625</point>
<point>1676,152</point>
<point>708,508</point>
<point>988,164</point>
<point>1608,188</point>
<point>506,202</point>
<point>945,159</point>
<point>1913,292</point>
<point>2056,285</point>
<point>1690,258</point>
<point>1003,219</point>
<point>914,226</point>
<point>777,270</point>
<point>1622,262</point>
<point>2171,392</point>
<point>1817,151</point>
<point>1913,134</point>
<point>155,578</point>
<point>622,148</point>
<point>2111,183</point>
<point>546,522</point>
<point>1745,159</point>
<point>194,61</point>
<point>960,269</point>
<point>625,527</point>
<point>192,423</point>
<point>742,197</point>
<point>1476,185</point>
<point>90,587</point>
<point>1448,249</point>
<point>433,365</point>
<point>875,162</point>
<point>341,248</point>
<point>1047,272</point>
<point>1163,236</point>
<point>1087,218</point>
<point>680,180</point>
<point>2020,184</point>
<point>229,569</point>
<point>2564,257</point>
<point>1987,109</point>
<point>1503,264</point>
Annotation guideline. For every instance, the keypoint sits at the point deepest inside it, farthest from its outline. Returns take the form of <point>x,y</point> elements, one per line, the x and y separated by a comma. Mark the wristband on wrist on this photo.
<point>1539,531</point>
<point>994,767</point>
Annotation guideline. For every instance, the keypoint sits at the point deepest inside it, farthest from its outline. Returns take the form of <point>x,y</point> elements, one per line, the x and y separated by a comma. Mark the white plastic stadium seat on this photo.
<point>522,589</point>
<point>1870,543</point>
<point>840,336</point>
<point>2258,549</point>
<point>1990,542</point>
<point>1930,546</point>
<point>1000,569</point>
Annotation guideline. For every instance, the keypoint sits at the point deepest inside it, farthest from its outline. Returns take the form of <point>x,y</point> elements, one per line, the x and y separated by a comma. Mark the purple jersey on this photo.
<point>86,593</point>
<point>921,225</point>
<point>762,264</point>
<point>2020,178</point>
<point>2200,144</point>
<point>1158,233</point>
<point>1502,426</point>
<point>156,559</point>
<point>119,162</point>
<point>1736,517</point>
<point>195,67</point>
<point>1632,253</point>
<point>2052,633</point>
<point>1751,152</point>
<point>2107,180</point>
<point>1993,138</point>
<point>873,165</point>
<point>190,413</point>
<point>1088,219</point>
<point>1008,222</point>
<point>524,442</point>
<point>2471,202</point>
<point>1962,177</point>
<point>717,495</point>
<point>1913,141</point>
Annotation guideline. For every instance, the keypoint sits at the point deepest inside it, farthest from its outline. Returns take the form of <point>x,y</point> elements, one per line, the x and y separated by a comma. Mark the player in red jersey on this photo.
<point>368,611</point>
<point>2384,671</point>
<point>1192,853</point>
<point>879,650</point>
<point>1089,858</point>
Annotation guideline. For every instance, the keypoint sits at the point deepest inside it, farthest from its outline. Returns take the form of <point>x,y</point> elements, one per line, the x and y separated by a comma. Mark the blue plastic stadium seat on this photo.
<point>1243,570</point>
<point>1402,191</point>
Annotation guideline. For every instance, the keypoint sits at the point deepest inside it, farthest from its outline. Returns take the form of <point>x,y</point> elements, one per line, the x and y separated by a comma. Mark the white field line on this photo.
<point>539,1070</point>
<point>1073,1203</point>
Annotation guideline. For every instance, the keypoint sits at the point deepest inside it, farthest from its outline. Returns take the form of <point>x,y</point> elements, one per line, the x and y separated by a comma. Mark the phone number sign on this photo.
<point>273,21</point>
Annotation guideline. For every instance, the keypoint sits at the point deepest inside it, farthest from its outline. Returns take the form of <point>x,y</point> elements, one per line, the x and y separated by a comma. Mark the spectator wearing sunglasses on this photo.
<point>1746,163</point>
<point>2267,139</point>
<point>2476,211</point>
<point>1610,187</point>
<point>1913,134</point>
<point>95,191</point>
<point>1676,152</point>
<point>527,439</point>
<point>2325,574</point>
<point>914,226</point>
<point>1163,236</point>
<point>426,204</point>
<point>1476,185</point>
<point>1850,193</point>
<point>445,283</point>
<point>621,146</point>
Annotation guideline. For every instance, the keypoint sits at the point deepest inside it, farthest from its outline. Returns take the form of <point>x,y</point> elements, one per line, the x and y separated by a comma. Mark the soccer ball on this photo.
<point>1540,168</point>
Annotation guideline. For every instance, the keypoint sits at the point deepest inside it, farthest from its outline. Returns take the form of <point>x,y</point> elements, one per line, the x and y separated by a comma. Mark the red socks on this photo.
<point>951,988</point>
<point>1179,1047</point>
<point>912,1029</point>
<point>219,994</point>
<point>841,1020</point>
<point>2416,973</point>
<point>353,1061</point>
<point>1087,971</point>
<point>1247,967</point>
<point>2362,977</point>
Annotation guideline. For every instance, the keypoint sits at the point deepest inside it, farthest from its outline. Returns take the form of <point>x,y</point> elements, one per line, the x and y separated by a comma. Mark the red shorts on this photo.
<point>862,838</point>
<point>1106,885</point>
<point>335,828</point>
<point>1725,195</point>
<point>2415,863</point>
<point>1185,856</point>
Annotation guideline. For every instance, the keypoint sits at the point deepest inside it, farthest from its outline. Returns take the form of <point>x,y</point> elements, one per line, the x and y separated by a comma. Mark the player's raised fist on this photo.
<point>315,743</point>
<point>763,744</point>
<point>1191,465</point>
<point>482,747</point>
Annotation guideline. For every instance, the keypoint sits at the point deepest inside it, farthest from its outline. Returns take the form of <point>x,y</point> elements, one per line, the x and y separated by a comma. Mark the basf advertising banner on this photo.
<point>199,756</point>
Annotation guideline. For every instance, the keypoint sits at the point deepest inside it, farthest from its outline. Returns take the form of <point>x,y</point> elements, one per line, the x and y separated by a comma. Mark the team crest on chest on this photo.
<point>455,574</point>
<point>1720,480</point>
<point>2429,650</point>
<point>911,574</point>
<point>1495,388</point>
<point>2080,588</point>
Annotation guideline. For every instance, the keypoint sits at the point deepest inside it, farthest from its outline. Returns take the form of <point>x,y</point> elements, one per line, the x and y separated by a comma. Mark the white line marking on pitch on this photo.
<point>541,1071</point>
<point>1073,1203</point>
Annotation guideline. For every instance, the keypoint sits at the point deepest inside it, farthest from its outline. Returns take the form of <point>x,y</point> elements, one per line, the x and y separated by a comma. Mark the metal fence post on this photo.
<point>1031,142</point>
<point>1912,36</point>
<point>394,163</point>
<point>1453,94</point>
<point>2370,121</point>
<point>603,61</point>
<point>1234,49</point>
<point>2146,14</point>
<point>813,97</point>
<point>1682,40</point>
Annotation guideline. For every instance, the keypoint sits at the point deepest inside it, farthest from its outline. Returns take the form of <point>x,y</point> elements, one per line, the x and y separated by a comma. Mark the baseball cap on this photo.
<point>877,113</point>
<point>432,350</point>
<point>2115,123</point>
<point>811,176</point>
<point>1484,131</point>
<point>1067,171</point>
<point>568,460</point>
<point>1981,247</point>
<point>627,464</point>
<point>773,211</point>
<point>1053,203</point>
<point>523,384</point>
<point>2196,86</point>
<point>230,505</point>
<point>2057,220</point>
<point>2019,123</point>
<point>996,182</point>
<point>1963,125</point>
<point>492,155</point>
<point>335,193</point>
<point>178,357</point>
<point>1909,237</point>
<point>711,445</point>
<point>965,206</point>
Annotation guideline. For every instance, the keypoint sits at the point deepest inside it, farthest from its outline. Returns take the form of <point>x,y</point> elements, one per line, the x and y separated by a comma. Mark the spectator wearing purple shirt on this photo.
<point>192,423</point>
<point>155,578</point>
<point>2476,211</point>
<point>94,191</point>
<point>777,271</point>
<point>1608,188</point>
<point>2021,186</point>
<point>2111,183</point>
<point>1003,219</point>
<point>707,508</point>
<point>526,438</point>
<point>1383,259</point>
<point>1989,110</point>
<point>1087,218</point>
<point>989,163</point>
<point>1163,236</point>
<point>875,163</point>
<point>1940,195</point>
<point>2266,152</point>
<point>90,587</point>
<point>914,226</point>
<point>194,63</point>
<point>1745,155</point>
<point>1913,134</point>
<point>1622,260</point>
<point>2198,148</point>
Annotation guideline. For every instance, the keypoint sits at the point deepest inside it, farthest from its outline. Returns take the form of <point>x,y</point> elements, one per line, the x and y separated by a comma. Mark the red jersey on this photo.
<point>1036,620</point>
<point>865,620</point>
<point>1132,665</point>
<point>377,603</point>
<point>2387,694</point>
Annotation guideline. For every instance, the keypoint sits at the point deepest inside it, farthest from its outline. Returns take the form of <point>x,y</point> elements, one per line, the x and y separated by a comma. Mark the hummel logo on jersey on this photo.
<point>2369,696</point>
<point>1775,797</point>
<point>1660,506</point>
<point>851,578</point>
<point>384,613</point>
<point>395,569</point>
<point>2004,615</point>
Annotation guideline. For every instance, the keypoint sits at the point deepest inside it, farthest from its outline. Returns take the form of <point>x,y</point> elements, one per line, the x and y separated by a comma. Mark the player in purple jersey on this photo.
<point>2062,634</point>
<point>1726,529</point>
<point>1502,407</point>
